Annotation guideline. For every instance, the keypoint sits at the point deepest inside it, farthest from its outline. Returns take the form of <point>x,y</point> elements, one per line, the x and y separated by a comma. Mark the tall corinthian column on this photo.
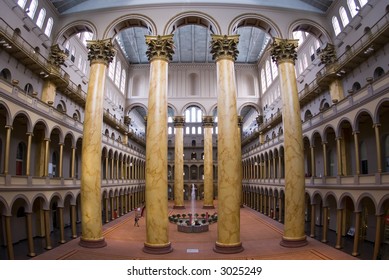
<point>224,51</point>
<point>208,163</point>
<point>284,53</point>
<point>160,51</point>
<point>179,122</point>
<point>101,53</point>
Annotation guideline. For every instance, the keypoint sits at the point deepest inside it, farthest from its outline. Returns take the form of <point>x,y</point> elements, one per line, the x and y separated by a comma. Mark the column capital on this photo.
<point>259,119</point>
<point>179,121</point>
<point>161,47</point>
<point>328,54</point>
<point>8,127</point>
<point>376,125</point>
<point>57,56</point>
<point>284,50</point>
<point>208,121</point>
<point>224,47</point>
<point>100,51</point>
<point>324,143</point>
<point>355,132</point>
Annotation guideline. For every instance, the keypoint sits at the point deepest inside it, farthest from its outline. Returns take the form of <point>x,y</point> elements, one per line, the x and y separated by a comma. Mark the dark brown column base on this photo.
<point>208,207</point>
<point>293,243</point>
<point>157,250</point>
<point>228,249</point>
<point>178,207</point>
<point>92,243</point>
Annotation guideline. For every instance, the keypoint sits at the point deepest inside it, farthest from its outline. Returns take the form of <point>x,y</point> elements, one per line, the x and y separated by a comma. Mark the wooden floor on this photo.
<point>260,237</point>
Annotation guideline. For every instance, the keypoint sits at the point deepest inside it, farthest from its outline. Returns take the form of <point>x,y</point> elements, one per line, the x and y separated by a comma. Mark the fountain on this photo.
<point>193,224</point>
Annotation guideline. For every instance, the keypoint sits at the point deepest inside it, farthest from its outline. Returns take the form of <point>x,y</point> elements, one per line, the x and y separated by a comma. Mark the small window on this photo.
<point>32,8</point>
<point>49,27</point>
<point>41,18</point>
<point>335,25</point>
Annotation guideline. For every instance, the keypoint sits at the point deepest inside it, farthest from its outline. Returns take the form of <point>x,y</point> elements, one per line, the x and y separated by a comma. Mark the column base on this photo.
<point>62,241</point>
<point>92,243</point>
<point>208,207</point>
<point>294,243</point>
<point>48,247</point>
<point>355,254</point>
<point>178,207</point>
<point>228,249</point>
<point>157,249</point>
<point>31,255</point>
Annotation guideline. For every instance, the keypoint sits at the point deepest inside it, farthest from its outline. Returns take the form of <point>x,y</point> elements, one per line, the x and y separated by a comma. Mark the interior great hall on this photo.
<point>260,123</point>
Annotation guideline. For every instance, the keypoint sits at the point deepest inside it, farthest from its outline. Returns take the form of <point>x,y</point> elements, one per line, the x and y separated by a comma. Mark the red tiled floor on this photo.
<point>260,236</point>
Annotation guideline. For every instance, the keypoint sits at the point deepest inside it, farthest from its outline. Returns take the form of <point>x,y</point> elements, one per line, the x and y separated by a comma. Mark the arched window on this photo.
<point>49,27</point>
<point>73,54</point>
<point>123,81</point>
<point>118,72</point>
<point>22,3</point>
<point>32,8</point>
<point>263,80</point>
<point>111,71</point>
<point>343,16</point>
<point>352,7</point>
<point>335,25</point>
<point>305,61</point>
<point>41,18</point>
<point>268,73</point>
<point>194,115</point>
<point>274,70</point>
<point>378,72</point>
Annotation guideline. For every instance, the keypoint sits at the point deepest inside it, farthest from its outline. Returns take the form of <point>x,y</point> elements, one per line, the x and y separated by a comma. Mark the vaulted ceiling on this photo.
<point>192,40</point>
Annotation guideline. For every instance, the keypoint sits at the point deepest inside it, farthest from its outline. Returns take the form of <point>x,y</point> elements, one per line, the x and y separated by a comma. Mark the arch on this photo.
<point>192,17</point>
<point>311,27</point>
<point>127,21</point>
<point>25,118</point>
<point>193,104</point>
<point>363,196</point>
<point>73,28</point>
<point>255,20</point>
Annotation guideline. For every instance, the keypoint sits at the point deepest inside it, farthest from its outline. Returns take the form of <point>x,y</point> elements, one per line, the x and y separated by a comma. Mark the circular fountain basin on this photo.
<point>193,228</point>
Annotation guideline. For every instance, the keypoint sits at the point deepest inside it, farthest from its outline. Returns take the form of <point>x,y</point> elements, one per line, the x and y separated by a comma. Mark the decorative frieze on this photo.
<point>208,121</point>
<point>179,121</point>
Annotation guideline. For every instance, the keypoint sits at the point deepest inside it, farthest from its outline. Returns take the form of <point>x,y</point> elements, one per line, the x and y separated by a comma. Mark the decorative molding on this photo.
<point>284,50</point>
<point>223,46</point>
<point>101,51</point>
<point>161,47</point>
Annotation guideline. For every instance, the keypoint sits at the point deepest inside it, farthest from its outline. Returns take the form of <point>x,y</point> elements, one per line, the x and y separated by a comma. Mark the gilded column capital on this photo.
<point>327,54</point>
<point>224,47</point>
<point>207,121</point>
<point>161,47</point>
<point>284,50</point>
<point>100,51</point>
<point>179,121</point>
<point>259,119</point>
<point>57,56</point>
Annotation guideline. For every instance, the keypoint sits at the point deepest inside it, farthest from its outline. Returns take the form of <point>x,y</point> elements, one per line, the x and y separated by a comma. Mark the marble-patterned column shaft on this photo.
<point>47,230</point>
<point>101,53</point>
<point>336,90</point>
<point>339,155</point>
<point>73,220</point>
<point>378,146</point>
<point>313,163</point>
<point>8,237</point>
<point>28,158</point>
<point>60,171</point>
<point>160,52</point>
<point>357,226</point>
<point>357,158</point>
<point>7,148</point>
<point>284,53</point>
<point>179,123</point>
<point>48,92</point>
<point>208,163</point>
<point>30,239</point>
<point>239,156</point>
<point>324,144</point>
<point>325,224</point>
<point>46,157</point>
<point>378,236</point>
<point>338,244</point>
<point>224,51</point>
<point>61,226</point>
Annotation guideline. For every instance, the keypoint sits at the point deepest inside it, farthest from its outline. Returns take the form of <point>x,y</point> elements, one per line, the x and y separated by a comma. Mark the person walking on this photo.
<point>136,221</point>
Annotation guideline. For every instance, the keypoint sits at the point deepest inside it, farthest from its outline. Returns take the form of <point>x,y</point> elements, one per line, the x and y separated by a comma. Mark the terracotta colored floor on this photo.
<point>260,236</point>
